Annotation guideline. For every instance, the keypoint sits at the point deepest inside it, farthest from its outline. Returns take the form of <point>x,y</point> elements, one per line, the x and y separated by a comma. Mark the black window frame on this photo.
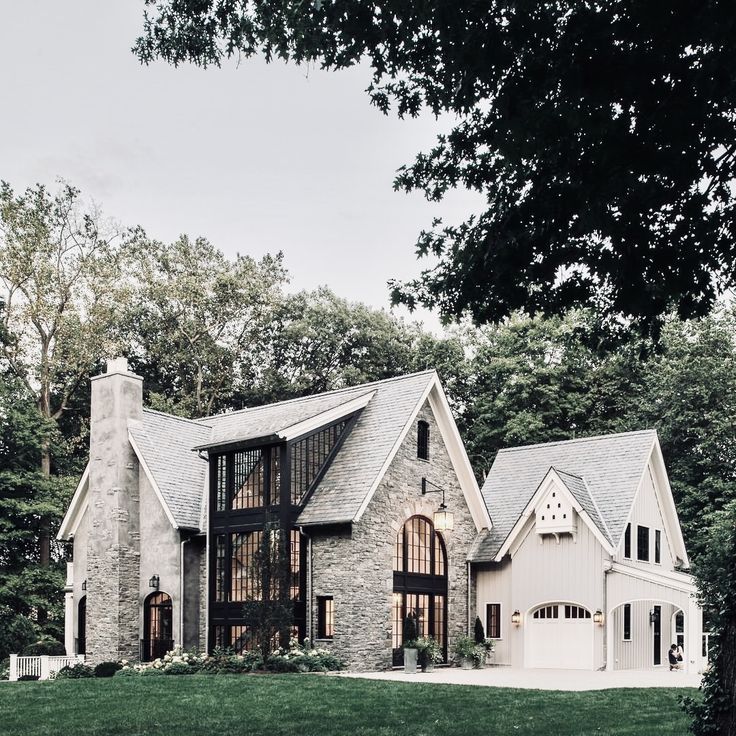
<point>493,617</point>
<point>325,617</point>
<point>422,440</point>
<point>626,622</point>
<point>627,542</point>
<point>657,546</point>
<point>642,547</point>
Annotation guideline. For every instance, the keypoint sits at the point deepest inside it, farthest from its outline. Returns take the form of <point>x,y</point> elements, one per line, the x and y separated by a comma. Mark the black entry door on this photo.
<point>657,634</point>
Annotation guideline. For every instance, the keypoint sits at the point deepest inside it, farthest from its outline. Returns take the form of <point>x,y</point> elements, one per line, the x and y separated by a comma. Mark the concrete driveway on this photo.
<point>571,680</point>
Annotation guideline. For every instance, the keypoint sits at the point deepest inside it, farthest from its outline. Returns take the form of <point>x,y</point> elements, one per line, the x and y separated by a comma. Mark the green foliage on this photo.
<point>221,662</point>
<point>44,646</point>
<point>715,712</point>
<point>76,671</point>
<point>16,631</point>
<point>430,652</point>
<point>179,668</point>
<point>410,631</point>
<point>545,96</point>
<point>107,669</point>
<point>478,631</point>
<point>464,647</point>
<point>303,658</point>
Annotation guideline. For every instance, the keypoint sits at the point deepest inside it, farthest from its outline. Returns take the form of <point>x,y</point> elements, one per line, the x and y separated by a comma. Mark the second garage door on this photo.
<point>560,636</point>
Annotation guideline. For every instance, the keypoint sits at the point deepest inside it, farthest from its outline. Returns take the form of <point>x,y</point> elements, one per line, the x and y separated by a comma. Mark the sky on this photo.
<point>257,158</point>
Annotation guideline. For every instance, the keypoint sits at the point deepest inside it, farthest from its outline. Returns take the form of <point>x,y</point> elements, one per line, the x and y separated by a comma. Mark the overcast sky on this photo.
<point>258,158</point>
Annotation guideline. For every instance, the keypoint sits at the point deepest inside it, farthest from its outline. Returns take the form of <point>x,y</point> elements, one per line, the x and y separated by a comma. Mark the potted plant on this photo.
<point>430,653</point>
<point>410,640</point>
<point>489,646</point>
<point>464,651</point>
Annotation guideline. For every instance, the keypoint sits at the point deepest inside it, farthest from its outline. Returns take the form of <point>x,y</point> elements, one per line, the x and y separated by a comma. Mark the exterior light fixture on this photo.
<point>444,520</point>
<point>153,582</point>
<point>516,617</point>
<point>84,585</point>
<point>598,617</point>
<point>653,617</point>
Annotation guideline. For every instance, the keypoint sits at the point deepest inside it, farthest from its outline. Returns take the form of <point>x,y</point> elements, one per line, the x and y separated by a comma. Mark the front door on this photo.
<point>158,627</point>
<point>657,634</point>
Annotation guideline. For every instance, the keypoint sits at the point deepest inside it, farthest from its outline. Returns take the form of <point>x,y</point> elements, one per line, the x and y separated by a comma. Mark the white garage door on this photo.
<point>560,635</point>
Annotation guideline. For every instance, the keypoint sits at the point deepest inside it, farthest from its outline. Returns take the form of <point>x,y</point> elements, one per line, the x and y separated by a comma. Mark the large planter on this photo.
<point>490,659</point>
<point>466,663</point>
<point>410,661</point>
<point>428,667</point>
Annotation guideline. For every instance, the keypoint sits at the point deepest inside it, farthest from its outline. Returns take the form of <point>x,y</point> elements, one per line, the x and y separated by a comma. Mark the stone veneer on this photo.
<point>113,544</point>
<point>355,565</point>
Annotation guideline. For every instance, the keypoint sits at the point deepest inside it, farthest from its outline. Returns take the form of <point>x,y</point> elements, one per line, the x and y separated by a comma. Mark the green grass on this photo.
<point>306,705</point>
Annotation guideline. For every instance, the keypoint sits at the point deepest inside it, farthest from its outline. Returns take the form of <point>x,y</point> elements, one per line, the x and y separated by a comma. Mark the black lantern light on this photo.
<point>153,582</point>
<point>443,519</point>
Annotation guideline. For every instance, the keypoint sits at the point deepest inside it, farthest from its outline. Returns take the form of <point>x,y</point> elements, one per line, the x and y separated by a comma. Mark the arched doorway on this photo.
<point>81,643</point>
<point>420,583</point>
<point>157,626</point>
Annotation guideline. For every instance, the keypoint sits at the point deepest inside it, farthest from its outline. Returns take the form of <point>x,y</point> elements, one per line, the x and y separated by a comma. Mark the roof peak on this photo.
<point>580,440</point>
<point>297,399</point>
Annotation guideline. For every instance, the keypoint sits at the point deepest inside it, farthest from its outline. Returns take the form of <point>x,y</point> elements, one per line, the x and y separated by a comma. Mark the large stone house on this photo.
<point>382,517</point>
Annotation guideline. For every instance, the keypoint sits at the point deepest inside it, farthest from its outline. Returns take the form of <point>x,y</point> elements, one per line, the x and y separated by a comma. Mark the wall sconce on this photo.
<point>598,617</point>
<point>84,585</point>
<point>153,582</point>
<point>516,617</point>
<point>653,617</point>
<point>443,519</point>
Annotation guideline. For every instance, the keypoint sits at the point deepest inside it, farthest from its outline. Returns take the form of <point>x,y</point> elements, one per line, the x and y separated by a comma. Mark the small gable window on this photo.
<point>657,546</point>
<point>423,440</point>
<point>627,542</point>
<point>642,543</point>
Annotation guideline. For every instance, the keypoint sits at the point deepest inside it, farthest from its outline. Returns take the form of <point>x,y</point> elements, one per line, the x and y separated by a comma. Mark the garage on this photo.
<point>560,636</point>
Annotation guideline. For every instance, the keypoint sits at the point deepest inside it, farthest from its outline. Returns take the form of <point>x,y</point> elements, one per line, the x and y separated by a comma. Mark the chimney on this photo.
<point>113,545</point>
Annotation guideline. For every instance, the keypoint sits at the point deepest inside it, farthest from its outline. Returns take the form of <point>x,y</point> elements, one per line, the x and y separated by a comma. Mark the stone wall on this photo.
<point>355,565</point>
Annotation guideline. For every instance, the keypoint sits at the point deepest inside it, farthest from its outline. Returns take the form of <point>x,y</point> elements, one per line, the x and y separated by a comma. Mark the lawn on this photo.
<point>306,705</point>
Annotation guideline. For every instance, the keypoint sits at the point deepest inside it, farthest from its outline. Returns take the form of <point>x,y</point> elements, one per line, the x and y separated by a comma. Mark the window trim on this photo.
<point>639,558</point>
<point>626,607</point>
<point>500,620</point>
<point>321,616</point>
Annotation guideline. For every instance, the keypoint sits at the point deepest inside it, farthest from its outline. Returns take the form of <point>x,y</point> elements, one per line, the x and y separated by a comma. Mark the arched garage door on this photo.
<point>560,636</point>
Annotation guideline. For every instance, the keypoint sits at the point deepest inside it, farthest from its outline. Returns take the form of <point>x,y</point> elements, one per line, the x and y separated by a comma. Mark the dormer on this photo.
<point>554,511</point>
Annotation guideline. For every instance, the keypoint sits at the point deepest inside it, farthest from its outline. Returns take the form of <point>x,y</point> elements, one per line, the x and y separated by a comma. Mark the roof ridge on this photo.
<point>579,439</point>
<point>322,393</point>
<point>197,422</point>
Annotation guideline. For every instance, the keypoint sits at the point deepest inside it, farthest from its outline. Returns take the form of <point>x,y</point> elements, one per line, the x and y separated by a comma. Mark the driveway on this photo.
<point>539,679</point>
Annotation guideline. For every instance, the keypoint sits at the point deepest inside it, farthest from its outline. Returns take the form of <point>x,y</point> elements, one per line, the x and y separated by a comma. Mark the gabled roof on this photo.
<point>164,445</point>
<point>611,466</point>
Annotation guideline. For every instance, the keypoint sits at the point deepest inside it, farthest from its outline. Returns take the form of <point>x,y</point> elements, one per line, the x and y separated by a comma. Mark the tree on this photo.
<point>715,713</point>
<point>59,283</point>
<point>197,321</point>
<point>600,134</point>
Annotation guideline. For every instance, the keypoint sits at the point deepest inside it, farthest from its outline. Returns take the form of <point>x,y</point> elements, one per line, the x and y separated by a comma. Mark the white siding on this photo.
<point>494,586</point>
<point>638,654</point>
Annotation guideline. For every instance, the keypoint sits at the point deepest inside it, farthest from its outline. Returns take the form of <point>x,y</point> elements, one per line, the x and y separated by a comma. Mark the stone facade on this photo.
<point>355,565</point>
<point>113,543</point>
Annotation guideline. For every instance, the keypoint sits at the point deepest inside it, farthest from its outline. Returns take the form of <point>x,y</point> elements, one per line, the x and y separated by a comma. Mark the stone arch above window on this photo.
<point>419,548</point>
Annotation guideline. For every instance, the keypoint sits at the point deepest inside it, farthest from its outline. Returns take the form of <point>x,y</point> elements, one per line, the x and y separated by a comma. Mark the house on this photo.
<point>578,564</point>
<point>169,513</point>
<point>584,564</point>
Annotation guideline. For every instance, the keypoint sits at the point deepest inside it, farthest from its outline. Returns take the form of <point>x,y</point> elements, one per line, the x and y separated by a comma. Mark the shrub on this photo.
<point>75,672</point>
<point>16,632</point>
<point>126,672</point>
<point>149,671</point>
<point>464,648</point>
<point>480,634</point>
<point>107,669</point>
<point>27,678</point>
<point>5,669</point>
<point>410,630</point>
<point>44,646</point>
<point>226,661</point>
<point>302,658</point>
<point>179,668</point>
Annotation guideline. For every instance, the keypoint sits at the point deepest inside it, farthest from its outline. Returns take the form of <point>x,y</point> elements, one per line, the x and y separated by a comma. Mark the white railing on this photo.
<point>40,667</point>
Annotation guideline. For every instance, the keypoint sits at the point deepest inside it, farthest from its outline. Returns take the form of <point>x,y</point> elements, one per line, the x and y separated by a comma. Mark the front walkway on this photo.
<point>541,679</point>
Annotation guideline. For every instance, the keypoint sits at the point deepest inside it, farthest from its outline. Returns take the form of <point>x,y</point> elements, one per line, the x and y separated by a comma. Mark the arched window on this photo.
<point>422,440</point>
<point>81,643</point>
<point>420,583</point>
<point>158,627</point>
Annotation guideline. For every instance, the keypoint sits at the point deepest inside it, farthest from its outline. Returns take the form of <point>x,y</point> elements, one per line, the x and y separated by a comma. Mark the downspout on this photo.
<point>607,567</point>
<point>468,602</point>
<point>181,591</point>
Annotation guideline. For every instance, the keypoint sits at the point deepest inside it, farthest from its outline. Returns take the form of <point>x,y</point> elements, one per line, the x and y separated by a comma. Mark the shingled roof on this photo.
<point>603,474</point>
<point>165,444</point>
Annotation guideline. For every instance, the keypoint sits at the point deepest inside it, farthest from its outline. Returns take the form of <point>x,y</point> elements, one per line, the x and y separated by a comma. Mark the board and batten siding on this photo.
<point>541,571</point>
<point>638,654</point>
<point>646,512</point>
<point>493,585</point>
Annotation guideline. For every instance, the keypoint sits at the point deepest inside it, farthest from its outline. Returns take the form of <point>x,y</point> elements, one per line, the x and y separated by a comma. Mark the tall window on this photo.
<point>420,582</point>
<point>81,647</point>
<point>626,634</point>
<point>658,546</point>
<point>325,617</point>
<point>627,542</point>
<point>493,620</point>
<point>422,440</point>
<point>249,490</point>
<point>308,456</point>
<point>244,547</point>
<point>642,543</point>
